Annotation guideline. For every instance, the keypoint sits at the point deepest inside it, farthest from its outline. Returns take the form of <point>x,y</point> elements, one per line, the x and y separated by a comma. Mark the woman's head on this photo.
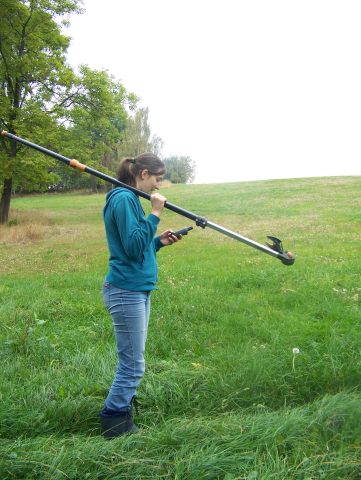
<point>144,171</point>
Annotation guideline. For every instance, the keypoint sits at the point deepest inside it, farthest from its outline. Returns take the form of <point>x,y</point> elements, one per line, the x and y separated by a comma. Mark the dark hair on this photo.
<point>130,168</point>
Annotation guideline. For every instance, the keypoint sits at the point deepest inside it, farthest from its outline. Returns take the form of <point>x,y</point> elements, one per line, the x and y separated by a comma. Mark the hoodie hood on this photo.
<point>113,193</point>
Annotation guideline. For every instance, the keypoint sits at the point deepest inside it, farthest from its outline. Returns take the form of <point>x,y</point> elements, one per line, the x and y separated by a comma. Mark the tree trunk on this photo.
<point>5,201</point>
<point>93,183</point>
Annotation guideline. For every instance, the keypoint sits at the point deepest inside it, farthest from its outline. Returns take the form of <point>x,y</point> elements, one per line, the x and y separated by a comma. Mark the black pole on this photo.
<point>275,250</point>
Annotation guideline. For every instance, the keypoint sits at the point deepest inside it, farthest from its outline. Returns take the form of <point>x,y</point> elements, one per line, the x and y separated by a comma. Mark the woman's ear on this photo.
<point>144,174</point>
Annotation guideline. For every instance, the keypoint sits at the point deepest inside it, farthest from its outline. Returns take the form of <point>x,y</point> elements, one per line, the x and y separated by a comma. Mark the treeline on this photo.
<point>85,114</point>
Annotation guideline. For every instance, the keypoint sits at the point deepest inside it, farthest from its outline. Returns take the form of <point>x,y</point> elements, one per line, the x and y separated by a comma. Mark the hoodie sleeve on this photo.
<point>158,244</point>
<point>136,232</point>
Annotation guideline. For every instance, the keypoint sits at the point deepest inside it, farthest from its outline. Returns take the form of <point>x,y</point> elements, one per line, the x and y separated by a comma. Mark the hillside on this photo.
<point>225,395</point>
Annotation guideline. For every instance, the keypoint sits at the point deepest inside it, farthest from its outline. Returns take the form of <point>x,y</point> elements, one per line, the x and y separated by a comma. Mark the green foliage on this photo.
<point>180,169</point>
<point>96,121</point>
<point>138,138</point>
<point>33,77</point>
<point>33,71</point>
<point>82,116</point>
<point>98,113</point>
<point>223,397</point>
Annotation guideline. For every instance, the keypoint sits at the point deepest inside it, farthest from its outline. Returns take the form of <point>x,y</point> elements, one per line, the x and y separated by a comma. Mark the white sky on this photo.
<point>249,89</point>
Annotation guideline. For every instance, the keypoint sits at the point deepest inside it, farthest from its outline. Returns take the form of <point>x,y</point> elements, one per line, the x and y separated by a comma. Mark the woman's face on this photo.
<point>148,182</point>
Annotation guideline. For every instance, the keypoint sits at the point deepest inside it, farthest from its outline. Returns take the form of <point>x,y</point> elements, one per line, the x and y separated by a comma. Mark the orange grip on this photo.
<point>75,164</point>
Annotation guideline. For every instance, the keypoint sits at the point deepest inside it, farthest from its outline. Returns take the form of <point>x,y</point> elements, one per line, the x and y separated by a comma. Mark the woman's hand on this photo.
<point>168,238</point>
<point>157,200</point>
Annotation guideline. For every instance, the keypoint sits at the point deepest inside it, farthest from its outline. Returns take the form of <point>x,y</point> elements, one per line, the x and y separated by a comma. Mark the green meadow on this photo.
<point>224,395</point>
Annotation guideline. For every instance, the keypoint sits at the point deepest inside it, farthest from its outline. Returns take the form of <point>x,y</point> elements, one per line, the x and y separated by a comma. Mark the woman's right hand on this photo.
<point>157,200</point>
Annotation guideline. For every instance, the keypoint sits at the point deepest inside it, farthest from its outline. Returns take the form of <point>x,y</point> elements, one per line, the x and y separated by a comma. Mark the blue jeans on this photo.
<point>130,313</point>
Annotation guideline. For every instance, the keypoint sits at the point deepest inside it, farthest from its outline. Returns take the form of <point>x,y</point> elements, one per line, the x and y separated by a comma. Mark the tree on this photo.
<point>137,137</point>
<point>96,122</point>
<point>179,169</point>
<point>35,83</point>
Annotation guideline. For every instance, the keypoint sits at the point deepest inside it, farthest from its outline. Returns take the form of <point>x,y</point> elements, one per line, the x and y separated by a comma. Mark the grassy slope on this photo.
<point>223,396</point>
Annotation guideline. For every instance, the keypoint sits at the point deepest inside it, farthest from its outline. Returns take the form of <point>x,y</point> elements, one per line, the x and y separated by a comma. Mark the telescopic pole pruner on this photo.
<point>274,250</point>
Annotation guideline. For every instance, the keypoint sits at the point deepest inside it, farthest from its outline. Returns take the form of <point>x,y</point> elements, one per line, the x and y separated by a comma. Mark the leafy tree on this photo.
<point>96,121</point>
<point>179,169</point>
<point>83,116</point>
<point>34,84</point>
<point>137,137</point>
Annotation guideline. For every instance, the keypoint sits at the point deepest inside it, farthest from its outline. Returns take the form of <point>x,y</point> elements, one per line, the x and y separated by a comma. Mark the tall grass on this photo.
<point>224,395</point>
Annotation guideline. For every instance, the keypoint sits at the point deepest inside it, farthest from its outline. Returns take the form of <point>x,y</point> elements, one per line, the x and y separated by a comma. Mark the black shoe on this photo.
<point>115,425</point>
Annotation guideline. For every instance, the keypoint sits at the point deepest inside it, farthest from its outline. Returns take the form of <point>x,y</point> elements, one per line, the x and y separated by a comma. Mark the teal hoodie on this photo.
<point>131,242</point>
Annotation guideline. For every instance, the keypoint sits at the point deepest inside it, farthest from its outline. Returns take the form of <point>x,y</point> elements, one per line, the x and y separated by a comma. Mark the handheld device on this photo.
<point>182,232</point>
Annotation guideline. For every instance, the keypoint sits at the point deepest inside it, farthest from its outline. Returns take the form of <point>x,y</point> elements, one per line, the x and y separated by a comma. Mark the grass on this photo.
<point>224,397</point>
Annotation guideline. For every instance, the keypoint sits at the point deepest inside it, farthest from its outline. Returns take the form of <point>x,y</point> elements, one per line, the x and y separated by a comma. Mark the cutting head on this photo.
<point>287,258</point>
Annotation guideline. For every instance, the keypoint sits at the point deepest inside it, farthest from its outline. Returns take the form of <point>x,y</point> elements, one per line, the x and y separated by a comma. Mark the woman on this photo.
<point>131,277</point>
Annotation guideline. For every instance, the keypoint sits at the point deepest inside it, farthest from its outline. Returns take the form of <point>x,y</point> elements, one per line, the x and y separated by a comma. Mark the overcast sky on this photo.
<point>250,90</point>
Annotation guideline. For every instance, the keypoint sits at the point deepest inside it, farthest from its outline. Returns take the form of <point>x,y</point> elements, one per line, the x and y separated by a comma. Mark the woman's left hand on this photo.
<point>168,238</point>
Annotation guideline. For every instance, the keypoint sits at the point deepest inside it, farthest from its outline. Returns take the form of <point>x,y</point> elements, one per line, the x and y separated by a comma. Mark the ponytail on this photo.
<point>125,171</point>
<point>130,168</point>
